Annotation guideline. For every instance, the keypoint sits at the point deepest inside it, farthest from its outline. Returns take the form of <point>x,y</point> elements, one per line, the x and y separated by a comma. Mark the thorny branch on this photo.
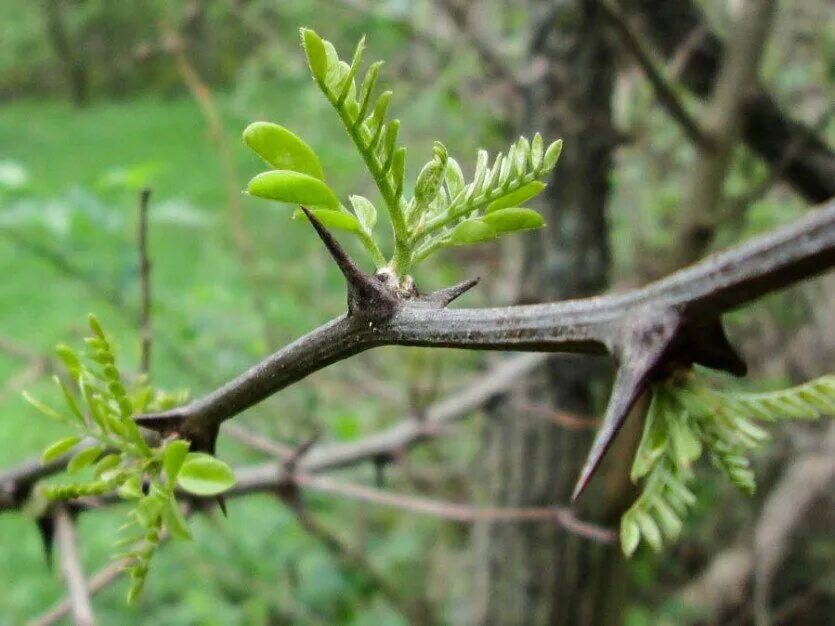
<point>670,323</point>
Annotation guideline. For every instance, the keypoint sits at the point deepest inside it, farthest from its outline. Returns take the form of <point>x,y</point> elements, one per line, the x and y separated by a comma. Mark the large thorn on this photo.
<point>643,351</point>
<point>365,292</point>
<point>443,297</point>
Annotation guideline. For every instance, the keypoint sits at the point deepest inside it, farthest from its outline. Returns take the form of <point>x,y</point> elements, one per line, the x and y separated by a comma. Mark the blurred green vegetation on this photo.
<point>69,181</point>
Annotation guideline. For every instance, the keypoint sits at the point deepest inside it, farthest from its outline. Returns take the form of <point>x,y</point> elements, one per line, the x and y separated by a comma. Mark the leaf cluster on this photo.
<point>445,210</point>
<point>100,407</point>
<point>686,419</point>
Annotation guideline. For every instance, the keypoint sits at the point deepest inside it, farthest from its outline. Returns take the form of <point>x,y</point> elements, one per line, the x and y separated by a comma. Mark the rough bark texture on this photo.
<point>529,574</point>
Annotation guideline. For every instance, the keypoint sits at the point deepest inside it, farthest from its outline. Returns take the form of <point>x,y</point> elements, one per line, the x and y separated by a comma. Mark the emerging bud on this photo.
<point>431,177</point>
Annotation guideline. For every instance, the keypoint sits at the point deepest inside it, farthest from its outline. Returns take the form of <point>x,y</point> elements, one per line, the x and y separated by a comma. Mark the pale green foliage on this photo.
<point>686,418</point>
<point>445,210</point>
<point>116,455</point>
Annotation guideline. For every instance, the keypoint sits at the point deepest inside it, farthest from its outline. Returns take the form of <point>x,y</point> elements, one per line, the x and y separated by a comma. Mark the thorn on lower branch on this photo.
<point>443,297</point>
<point>367,295</point>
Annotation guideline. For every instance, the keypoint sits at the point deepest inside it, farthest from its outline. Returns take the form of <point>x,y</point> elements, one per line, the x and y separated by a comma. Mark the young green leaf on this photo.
<point>552,155</point>
<point>131,489</point>
<point>470,231</point>
<point>630,535</point>
<point>173,458</point>
<point>173,519</point>
<point>204,475</point>
<point>513,219</point>
<point>84,458</point>
<point>454,177</point>
<point>365,211</point>
<point>42,407</point>
<point>317,57</point>
<point>60,447</point>
<point>106,464</point>
<point>292,188</point>
<point>332,219</point>
<point>282,149</point>
<point>517,197</point>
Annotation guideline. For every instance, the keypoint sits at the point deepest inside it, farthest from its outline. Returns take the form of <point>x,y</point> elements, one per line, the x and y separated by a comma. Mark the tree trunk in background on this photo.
<point>75,70</point>
<point>539,574</point>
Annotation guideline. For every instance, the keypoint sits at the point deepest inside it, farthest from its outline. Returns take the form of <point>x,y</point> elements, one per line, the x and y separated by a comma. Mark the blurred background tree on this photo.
<point>99,99</point>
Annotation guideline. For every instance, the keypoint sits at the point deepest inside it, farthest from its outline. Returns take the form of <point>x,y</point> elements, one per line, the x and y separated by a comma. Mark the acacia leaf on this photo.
<point>60,447</point>
<point>470,231</point>
<point>204,475</point>
<point>293,188</point>
<point>513,219</point>
<point>332,219</point>
<point>517,197</point>
<point>282,149</point>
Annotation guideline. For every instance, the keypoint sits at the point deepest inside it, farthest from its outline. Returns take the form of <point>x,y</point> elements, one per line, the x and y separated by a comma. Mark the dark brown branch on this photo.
<point>145,332</point>
<point>766,129</point>
<point>700,293</point>
<point>82,611</point>
<point>664,90</point>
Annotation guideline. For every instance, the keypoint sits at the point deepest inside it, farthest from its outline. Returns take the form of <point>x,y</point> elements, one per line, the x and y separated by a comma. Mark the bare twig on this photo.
<point>698,220</point>
<point>145,331</point>
<point>98,581</point>
<point>664,90</point>
<point>766,129</point>
<point>79,599</point>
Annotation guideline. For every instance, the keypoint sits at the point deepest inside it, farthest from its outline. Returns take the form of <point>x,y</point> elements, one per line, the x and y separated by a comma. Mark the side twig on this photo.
<point>79,599</point>
<point>145,331</point>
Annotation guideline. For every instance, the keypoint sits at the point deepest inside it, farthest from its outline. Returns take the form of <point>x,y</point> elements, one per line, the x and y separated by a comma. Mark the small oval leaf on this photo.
<point>282,149</point>
<point>630,535</point>
<point>332,219</point>
<point>470,231</point>
<point>317,58</point>
<point>293,188</point>
<point>84,458</point>
<point>365,211</point>
<point>173,519</point>
<point>518,197</point>
<point>552,155</point>
<point>60,447</point>
<point>204,475</point>
<point>173,458</point>
<point>513,219</point>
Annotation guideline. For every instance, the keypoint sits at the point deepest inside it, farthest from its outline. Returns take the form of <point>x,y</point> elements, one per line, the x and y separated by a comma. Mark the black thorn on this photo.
<point>443,297</point>
<point>221,503</point>
<point>644,351</point>
<point>46,529</point>
<point>365,292</point>
<point>710,346</point>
